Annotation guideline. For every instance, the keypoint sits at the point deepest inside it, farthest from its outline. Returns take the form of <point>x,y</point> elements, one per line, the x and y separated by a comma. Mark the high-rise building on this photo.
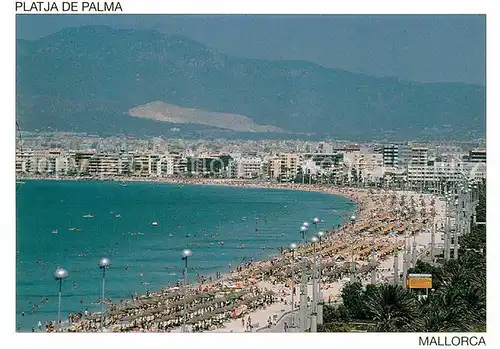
<point>477,155</point>
<point>246,167</point>
<point>390,153</point>
<point>419,156</point>
<point>283,167</point>
<point>325,148</point>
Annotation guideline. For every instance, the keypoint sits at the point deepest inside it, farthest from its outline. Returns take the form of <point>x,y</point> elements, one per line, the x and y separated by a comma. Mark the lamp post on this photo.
<point>353,276</point>
<point>414,251</point>
<point>396,259</point>
<point>185,255</point>
<point>373,262</point>
<point>303,231</point>
<point>104,263</point>
<point>469,208</point>
<point>303,282</point>
<point>315,222</point>
<point>293,247</point>
<point>447,228</point>
<point>321,235</point>
<point>59,275</point>
<point>433,238</point>
<point>314,313</point>
<point>458,204</point>
<point>319,310</point>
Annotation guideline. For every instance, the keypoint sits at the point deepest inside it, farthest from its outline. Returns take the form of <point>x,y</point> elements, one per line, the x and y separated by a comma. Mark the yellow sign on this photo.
<point>419,282</point>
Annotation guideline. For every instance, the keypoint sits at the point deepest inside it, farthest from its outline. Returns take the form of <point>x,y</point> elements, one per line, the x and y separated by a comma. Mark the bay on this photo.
<point>221,225</point>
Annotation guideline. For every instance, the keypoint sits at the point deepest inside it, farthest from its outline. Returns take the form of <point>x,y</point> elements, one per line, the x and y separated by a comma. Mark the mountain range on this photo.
<point>106,81</point>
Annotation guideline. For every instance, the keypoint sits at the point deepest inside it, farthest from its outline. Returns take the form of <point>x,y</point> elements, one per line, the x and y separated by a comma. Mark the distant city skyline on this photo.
<point>423,48</point>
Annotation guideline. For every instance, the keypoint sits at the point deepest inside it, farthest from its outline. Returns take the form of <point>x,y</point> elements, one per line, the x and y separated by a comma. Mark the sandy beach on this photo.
<point>368,206</point>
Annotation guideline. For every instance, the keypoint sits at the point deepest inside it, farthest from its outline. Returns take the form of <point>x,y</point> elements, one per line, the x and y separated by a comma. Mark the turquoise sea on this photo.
<point>251,223</point>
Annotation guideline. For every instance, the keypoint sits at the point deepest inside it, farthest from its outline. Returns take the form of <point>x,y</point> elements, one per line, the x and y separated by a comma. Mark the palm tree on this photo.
<point>474,298</point>
<point>447,312</point>
<point>393,308</point>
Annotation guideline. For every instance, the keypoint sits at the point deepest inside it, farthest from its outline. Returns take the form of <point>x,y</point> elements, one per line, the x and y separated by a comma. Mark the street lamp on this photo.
<point>314,314</point>
<point>315,221</point>
<point>319,310</point>
<point>293,247</point>
<point>373,261</point>
<point>458,226</point>
<point>321,234</point>
<point>185,255</point>
<point>396,259</point>
<point>303,282</point>
<point>303,230</point>
<point>352,219</point>
<point>59,275</point>
<point>104,263</point>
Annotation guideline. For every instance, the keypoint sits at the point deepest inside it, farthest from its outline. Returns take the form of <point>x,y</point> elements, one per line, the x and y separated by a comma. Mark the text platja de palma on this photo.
<point>68,6</point>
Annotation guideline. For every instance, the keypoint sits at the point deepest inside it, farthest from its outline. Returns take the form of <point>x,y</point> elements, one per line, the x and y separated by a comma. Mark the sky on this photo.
<point>423,48</point>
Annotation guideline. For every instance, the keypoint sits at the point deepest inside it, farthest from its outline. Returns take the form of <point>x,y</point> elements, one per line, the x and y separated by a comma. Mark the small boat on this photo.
<point>54,231</point>
<point>19,182</point>
<point>74,229</point>
<point>118,215</point>
<point>154,223</point>
<point>88,216</point>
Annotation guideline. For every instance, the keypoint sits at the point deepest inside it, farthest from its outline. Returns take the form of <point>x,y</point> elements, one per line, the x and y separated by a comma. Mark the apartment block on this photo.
<point>477,155</point>
<point>419,156</point>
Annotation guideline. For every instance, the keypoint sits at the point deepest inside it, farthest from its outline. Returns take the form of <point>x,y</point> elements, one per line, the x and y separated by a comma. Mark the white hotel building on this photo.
<point>371,165</point>
<point>429,175</point>
<point>246,167</point>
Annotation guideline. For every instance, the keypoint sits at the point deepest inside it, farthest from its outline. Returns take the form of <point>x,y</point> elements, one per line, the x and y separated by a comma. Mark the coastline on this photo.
<point>363,212</point>
<point>225,182</point>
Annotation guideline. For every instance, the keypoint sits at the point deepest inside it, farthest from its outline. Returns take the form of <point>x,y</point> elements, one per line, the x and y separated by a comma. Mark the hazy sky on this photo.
<point>416,47</point>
